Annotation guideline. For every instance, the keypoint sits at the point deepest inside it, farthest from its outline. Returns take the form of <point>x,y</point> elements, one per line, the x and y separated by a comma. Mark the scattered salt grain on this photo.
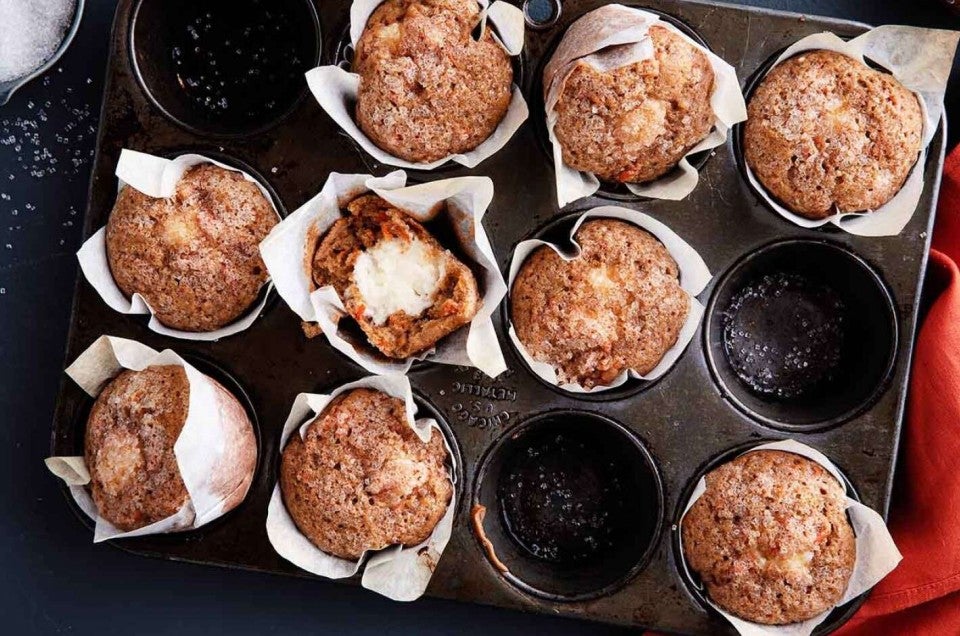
<point>30,33</point>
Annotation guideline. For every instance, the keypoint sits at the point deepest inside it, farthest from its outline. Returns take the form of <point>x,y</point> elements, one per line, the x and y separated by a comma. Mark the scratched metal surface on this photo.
<point>684,419</point>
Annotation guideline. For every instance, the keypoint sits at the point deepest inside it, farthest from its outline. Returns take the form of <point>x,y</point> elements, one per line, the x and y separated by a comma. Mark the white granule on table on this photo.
<point>397,275</point>
<point>30,33</point>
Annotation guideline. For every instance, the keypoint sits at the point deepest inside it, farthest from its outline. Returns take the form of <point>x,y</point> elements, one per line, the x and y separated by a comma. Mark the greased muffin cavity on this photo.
<point>770,538</point>
<point>395,279</point>
<point>828,134</point>
<point>428,89</point>
<point>194,257</point>
<point>634,123</point>
<point>361,479</point>
<point>617,306</point>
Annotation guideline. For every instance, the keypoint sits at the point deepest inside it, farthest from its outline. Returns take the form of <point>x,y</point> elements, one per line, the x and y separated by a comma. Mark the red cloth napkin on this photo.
<point>922,596</point>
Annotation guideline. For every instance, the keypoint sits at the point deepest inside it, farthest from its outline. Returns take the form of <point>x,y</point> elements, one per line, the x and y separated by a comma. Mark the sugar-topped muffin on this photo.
<point>634,123</point>
<point>195,256</point>
<point>428,89</point>
<point>395,279</point>
<point>770,538</point>
<point>135,479</point>
<point>361,479</point>
<point>617,306</point>
<point>827,133</point>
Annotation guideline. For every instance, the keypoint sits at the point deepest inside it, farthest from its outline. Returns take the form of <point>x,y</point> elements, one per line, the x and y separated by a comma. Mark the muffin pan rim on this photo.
<point>713,312</point>
<point>525,427</point>
<point>648,599</point>
<point>246,131</point>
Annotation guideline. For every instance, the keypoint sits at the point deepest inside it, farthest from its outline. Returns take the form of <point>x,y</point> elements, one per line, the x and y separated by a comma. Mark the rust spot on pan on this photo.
<point>477,513</point>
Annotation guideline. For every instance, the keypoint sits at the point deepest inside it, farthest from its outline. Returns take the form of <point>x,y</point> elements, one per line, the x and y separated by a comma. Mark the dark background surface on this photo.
<point>55,580</point>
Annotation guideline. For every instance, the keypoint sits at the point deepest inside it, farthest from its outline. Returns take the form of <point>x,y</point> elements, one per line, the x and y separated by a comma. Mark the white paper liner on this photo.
<point>335,88</point>
<point>288,249</point>
<point>156,177</point>
<point>399,573</point>
<point>921,60</point>
<point>694,277</point>
<point>612,37</point>
<point>200,449</point>
<point>877,555</point>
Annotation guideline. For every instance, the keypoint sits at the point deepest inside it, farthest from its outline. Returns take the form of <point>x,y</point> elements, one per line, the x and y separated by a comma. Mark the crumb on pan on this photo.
<point>477,514</point>
<point>617,306</point>
<point>770,538</point>
<point>826,133</point>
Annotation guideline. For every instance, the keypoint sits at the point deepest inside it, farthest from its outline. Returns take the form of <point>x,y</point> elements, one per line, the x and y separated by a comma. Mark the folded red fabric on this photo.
<point>922,596</point>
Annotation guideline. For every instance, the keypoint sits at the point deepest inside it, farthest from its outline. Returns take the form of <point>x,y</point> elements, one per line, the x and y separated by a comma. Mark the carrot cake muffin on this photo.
<point>428,89</point>
<point>634,123</point>
<point>401,286</point>
<point>361,479</point>
<point>826,133</point>
<point>617,306</point>
<point>770,538</point>
<point>131,431</point>
<point>194,257</point>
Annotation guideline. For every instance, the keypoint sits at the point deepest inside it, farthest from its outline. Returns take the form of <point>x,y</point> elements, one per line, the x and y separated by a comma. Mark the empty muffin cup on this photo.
<point>568,505</point>
<point>801,334</point>
<point>222,67</point>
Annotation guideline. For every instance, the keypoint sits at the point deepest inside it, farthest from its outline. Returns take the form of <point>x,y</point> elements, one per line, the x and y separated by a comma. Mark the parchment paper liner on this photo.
<point>156,177</point>
<point>335,89</point>
<point>397,572</point>
<point>203,456</point>
<point>609,38</point>
<point>288,252</point>
<point>877,555</point>
<point>694,277</point>
<point>921,60</point>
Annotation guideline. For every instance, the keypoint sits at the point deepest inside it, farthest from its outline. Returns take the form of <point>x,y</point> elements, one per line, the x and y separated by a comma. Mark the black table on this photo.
<point>54,579</point>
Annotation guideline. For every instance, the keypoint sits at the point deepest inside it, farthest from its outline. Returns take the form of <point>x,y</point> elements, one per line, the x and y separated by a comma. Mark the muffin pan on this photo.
<point>675,426</point>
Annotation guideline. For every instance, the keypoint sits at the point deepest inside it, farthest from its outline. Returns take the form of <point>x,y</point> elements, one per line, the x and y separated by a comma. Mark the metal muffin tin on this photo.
<point>682,422</point>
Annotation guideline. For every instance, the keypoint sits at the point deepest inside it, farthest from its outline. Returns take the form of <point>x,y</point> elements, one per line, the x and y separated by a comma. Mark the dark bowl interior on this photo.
<point>552,564</point>
<point>868,334</point>
<point>259,94</point>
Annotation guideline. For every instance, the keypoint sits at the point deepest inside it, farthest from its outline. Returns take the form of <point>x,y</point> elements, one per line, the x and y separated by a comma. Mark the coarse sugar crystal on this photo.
<point>30,33</point>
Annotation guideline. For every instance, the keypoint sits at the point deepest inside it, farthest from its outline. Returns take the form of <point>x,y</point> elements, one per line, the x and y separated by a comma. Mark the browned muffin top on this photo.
<point>194,257</point>
<point>635,123</point>
<point>377,256</point>
<point>134,477</point>
<point>428,89</point>
<point>826,133</point>
<point>362,479</point>
<point>770,538</point>
<point>617,306</point>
